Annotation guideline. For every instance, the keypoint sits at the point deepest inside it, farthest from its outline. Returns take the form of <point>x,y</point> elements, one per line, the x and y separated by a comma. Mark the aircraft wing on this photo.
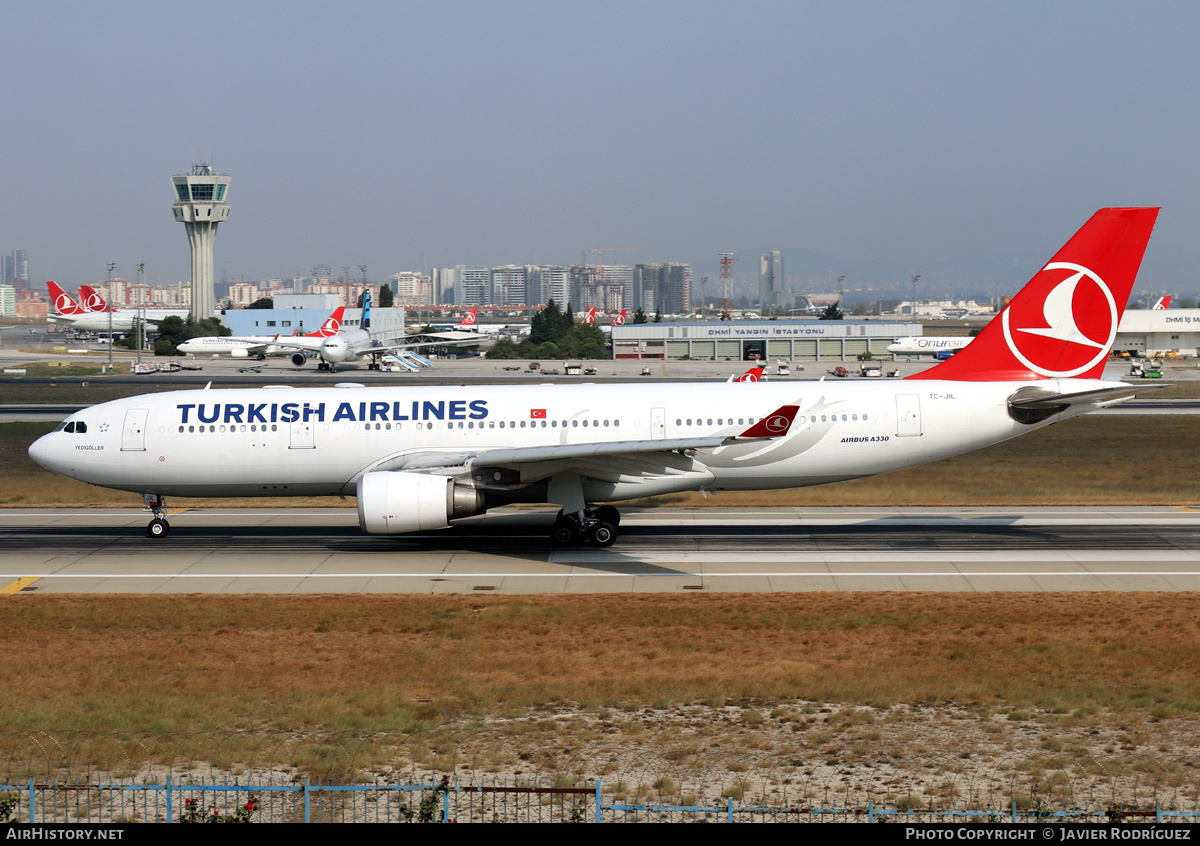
<point>384,349</point>
<point>619,457</point>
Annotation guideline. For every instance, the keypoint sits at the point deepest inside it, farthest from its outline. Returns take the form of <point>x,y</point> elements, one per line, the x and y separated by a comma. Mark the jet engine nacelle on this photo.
<point>393,502</point>
<point>298,359</point>
<point>239,352</point>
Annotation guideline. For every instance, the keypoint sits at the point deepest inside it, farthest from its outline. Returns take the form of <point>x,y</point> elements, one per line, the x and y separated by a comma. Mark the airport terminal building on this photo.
<point>749,340</point>
<point>1153,332</point>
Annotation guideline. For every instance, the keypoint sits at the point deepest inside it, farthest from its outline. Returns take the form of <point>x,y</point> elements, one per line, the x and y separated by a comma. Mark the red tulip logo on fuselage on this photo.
<point>778,423</point>
<point>1067,327</point>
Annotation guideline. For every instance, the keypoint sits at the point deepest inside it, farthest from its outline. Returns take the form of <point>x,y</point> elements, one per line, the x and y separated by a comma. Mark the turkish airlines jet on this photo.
<point>1163,303</point>
<point>262,346</point>
<point>418,457</point>
<point>91,301</point>
<point>619,320</point>
<point>96,318</point>
<point>471,323</point>
<point>589,317</point>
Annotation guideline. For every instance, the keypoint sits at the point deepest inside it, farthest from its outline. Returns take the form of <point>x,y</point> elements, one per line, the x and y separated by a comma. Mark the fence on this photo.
<point>484,776</point>
<point>442,801</point>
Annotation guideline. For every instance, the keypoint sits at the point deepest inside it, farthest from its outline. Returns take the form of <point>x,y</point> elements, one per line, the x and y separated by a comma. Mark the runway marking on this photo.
<point>1183,507</point>
<point>443,575</point>
<point>19,585</point>
<point>175,511</point>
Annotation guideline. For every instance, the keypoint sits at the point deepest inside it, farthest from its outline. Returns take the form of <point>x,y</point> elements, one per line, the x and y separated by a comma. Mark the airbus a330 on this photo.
<point>418,457</point>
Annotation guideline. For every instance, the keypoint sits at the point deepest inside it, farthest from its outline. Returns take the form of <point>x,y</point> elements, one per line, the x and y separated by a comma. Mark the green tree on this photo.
<point>263,302</point>
<point>547,325</point>
<point>386,297</point>
<point>639,316</point>
<point>503,349</point>
<point>549,349</point>
<point>832,312</point>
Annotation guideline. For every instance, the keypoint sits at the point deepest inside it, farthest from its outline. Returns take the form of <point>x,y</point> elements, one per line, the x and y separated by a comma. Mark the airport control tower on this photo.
<point>200,205</point>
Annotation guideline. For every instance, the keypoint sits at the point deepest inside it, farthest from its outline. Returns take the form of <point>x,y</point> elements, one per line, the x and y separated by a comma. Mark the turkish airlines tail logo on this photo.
<point>63,304</point>
<point>754,374</point>
<point>469,320</point>
<point>590,317</point>
<point>91,300</point>
<point>1062,324</point>
<point>331,326</point>
<point>1163,303</point>
<point>619,320</point>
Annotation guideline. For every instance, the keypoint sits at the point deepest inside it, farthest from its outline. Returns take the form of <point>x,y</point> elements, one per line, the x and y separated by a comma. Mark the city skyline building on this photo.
<point>201,205</point>
<point>770,279</point>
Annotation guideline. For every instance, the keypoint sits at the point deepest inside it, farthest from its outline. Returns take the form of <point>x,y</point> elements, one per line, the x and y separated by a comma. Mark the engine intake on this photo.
<point>394,502</point>
<point>298,359</point>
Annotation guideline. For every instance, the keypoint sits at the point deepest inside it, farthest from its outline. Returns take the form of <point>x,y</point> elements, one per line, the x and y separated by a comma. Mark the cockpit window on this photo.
<point>80,427</point>
<point>61,426</point>
<point>76,426</point>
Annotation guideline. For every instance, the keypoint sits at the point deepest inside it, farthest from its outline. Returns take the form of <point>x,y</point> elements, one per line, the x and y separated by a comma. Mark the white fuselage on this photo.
<point>318,441</point>
<point>247,346</point>
<point>931,345</point>
<point>122,319</point>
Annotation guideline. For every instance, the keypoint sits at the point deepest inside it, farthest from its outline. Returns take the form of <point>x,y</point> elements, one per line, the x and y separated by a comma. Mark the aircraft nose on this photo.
<point>39,451</point>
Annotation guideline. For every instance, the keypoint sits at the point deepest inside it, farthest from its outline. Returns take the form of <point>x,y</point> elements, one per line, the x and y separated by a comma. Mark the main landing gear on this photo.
<point>598,524</point>
<point>158,527</point>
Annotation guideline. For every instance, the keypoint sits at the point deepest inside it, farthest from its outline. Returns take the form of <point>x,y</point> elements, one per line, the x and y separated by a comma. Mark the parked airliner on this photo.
<point>942,348</point>
<point>418,457</point>
<point>262,346</point>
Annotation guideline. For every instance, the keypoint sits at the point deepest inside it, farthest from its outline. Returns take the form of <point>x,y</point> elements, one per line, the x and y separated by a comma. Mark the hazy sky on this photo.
<point>409,135</point>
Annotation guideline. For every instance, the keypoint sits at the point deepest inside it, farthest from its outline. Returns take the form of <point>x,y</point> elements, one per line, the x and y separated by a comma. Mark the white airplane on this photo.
<point>471,323</point>
<point>619,320</point>
<point>350,347</point>
<point>92,302</point>
<point>96,319</point>
<point>942,348</point>
<point>262,346</point>
<point>418,457</point>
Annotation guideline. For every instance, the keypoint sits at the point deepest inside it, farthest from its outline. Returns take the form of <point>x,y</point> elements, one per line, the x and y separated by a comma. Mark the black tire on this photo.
<point>158,528</point>
<point>603,533</point>
<point>564,533</point>
<point>609,514</point>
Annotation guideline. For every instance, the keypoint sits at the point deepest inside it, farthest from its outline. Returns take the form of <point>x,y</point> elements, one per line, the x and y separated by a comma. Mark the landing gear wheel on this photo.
<point>158,528</point>
<point>564,532</point>
<point>609,515</point>
<point>603,533</point>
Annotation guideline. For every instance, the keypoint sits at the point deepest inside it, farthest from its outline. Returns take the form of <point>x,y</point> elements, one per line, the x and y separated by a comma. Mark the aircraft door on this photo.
<point>133,436</point>
<point>658,423</point>
<point>302,435</point>
<point>908,415</point>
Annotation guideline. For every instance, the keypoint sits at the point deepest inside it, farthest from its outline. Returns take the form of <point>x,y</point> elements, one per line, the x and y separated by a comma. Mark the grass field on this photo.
<point>415,662</point>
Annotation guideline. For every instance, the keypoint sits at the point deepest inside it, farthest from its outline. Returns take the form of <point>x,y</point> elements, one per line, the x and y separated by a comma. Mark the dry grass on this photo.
<point>409,662</point>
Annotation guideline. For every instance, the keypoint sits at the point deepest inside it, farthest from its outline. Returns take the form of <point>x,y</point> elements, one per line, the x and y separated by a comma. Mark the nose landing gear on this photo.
<point>158,527</point>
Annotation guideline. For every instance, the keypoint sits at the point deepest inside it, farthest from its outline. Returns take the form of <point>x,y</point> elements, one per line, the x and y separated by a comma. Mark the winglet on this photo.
<point>774,425</point>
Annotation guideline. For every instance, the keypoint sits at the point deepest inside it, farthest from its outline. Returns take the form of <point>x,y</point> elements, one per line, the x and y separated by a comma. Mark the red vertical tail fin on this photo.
<point>91,300</point>
<point>63,304</point>
<point>1063,322</point>
<point>331,326</point>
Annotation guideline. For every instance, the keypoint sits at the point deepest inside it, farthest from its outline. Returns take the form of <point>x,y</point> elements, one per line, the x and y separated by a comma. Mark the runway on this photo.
<point>659,550</point>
